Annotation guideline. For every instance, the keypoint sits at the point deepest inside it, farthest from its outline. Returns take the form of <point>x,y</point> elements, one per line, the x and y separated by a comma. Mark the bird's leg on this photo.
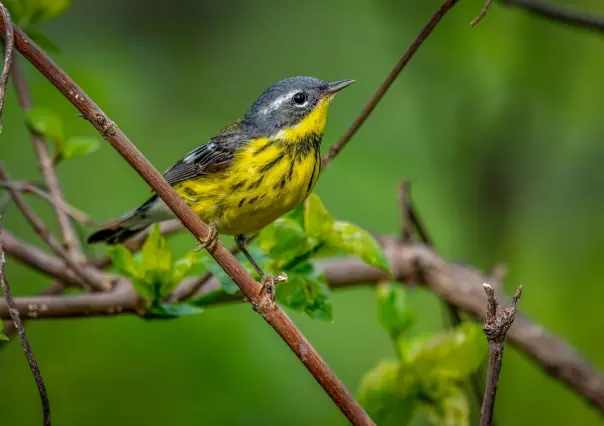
<point>268,281</point>
<point>209,242</point>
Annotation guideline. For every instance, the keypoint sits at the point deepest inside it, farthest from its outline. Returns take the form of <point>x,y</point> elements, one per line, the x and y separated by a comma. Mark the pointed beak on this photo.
<point>335,86</point>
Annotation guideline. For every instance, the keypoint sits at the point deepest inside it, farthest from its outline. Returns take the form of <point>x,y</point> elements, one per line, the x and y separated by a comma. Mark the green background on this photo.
<point>499,127</point>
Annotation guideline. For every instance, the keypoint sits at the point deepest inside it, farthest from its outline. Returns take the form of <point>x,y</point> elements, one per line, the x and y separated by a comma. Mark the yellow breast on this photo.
<point>267,178</point>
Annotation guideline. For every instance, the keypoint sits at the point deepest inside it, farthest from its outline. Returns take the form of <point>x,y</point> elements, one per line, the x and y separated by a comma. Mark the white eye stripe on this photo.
<point>276,104</point>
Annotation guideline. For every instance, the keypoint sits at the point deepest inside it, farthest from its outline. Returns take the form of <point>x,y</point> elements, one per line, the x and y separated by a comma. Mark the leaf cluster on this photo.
<point>426,378</point>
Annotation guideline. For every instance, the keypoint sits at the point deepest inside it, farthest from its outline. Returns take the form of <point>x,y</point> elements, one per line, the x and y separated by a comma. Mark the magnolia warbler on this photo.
<point>252,172</point>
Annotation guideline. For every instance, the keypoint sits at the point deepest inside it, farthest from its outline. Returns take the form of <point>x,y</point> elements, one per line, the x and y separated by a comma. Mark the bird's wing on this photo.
<point>211,157</point>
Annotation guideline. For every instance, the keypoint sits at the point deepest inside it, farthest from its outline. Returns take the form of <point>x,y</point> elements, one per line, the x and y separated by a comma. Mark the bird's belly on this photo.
<point>250,195</point>
<point>278,192</point>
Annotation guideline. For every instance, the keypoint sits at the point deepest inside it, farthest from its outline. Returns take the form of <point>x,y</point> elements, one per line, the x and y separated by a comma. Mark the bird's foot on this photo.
<point>209,242</point>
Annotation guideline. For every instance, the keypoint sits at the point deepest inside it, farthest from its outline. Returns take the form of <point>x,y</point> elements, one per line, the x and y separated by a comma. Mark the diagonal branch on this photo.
<point>94,280</point>
<point>72,244</point>
<point>14,314</point>
<point>381,91</point>
<point>558,14</point>
<point>261,301</point>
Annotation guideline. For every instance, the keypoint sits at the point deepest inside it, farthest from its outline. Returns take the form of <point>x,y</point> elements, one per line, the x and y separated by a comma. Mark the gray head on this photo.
<point>287,102</point>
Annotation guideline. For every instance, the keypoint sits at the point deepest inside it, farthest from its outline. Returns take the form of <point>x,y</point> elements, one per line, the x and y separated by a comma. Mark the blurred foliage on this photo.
<point>427,377</point>
<point>498,127</point>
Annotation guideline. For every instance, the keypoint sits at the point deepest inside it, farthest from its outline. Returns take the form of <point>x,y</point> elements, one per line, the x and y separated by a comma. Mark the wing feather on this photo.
<point>212,157</point>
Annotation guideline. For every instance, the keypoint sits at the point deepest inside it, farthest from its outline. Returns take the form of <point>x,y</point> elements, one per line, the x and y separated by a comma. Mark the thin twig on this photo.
<point>14,314</point>
<point>95,280</point>
<point>406,223</point>
<point>261,300</point>
<point>381,91</point>
<point>26,187</point>
<point>8,56</point>
<point>558,14</point>
<point>70,239</point>
<point>496,325</point>
<point>483,13</point>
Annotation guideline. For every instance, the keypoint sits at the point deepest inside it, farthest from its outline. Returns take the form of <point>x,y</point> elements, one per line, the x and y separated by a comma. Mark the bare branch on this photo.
<point>95,281</point>
<point>8,56</point>
<point>261,301</point>
<point>496,325</point>
<point>558,14</point>
<point>459,285</point>
<point>68,209</point>
<point>72,244</point>
<point>14,314</point>
<point>400,65</point>
<point>483,13</point>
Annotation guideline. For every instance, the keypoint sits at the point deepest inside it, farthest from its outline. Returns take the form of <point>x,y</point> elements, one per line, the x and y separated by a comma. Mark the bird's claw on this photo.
<point>209,242</point>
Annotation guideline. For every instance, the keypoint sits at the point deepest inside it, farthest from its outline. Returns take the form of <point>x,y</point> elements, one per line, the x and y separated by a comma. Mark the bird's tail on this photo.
<point>125,227</point>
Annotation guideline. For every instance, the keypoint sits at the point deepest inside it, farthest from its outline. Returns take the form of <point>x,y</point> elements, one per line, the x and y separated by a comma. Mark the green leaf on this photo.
<point>283,240</point>
<point>387,395</point>
<point>297,215</point>
<point>167,310</point>
<point>357,241</point>
<point>157,262</point>
<point>306,291</point>
<point>451,410</point>
<point>452,355</point>
<point>43,10</point>
<point>318,223</point>
<point>183,266</point>
<point>2,335</point>
<point>124,261</point>
<point>394,312</point>
<point>79,146</point>
<point>42,40</point>
<point>144,289</point>
<point>45,122</point>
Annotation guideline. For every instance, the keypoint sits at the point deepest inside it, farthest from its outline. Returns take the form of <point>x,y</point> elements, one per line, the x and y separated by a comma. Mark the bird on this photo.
<point>251,173</point>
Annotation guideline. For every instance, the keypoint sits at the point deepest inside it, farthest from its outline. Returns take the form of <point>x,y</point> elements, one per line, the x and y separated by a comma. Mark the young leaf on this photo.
<point>387,396</point>
<point>283,240</point>
<point>79,146</point>
<point>167,310</point>
<point>357,241</point>
<point>124,261</point>
<point>183,266</point>
<point>306,291</point>
<point>297,215</point>
<point>45,122</point>
<point>157,262</point>
<point>144,289</point>
<point>394,312</point>
<point>318,222</point>
<point>452,355</point>
<point>2,335</point>
<point>451,410</point>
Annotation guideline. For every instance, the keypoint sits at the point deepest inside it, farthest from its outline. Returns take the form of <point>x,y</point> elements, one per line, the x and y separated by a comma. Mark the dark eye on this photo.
<point>299,98</point>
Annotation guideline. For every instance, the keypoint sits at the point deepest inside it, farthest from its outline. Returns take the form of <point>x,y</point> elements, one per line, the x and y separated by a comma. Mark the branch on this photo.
<point>14,314</point>
<point>459,285</point>
<point>554,13</point>
<point>72,244</point>
<point>496,325</point>
<point>483,13</point>
<point>381,91</point>
<point>68,209</point>
<point>261,301</point>
<point>8,57</point>
<point>95,281</point>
